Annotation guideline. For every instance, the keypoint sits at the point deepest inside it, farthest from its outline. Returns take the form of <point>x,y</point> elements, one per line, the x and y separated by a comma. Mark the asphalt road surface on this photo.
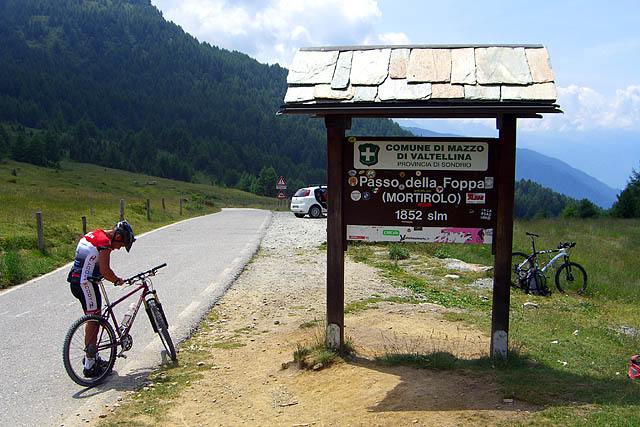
<point>204,256</point>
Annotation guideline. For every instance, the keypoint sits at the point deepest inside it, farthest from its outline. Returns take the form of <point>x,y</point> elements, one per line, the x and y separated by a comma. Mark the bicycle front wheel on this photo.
<point>159,323</point>
<point>89,336</point>
<point>520,266</point>
<point>571,278</point>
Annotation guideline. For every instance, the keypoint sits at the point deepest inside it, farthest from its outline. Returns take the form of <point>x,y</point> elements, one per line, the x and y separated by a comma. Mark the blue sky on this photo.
<point>594,49</point>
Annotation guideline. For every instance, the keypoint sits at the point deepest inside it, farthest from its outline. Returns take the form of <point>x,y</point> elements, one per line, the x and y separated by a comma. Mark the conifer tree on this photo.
<point>4,142</point>
<point>628,203</point>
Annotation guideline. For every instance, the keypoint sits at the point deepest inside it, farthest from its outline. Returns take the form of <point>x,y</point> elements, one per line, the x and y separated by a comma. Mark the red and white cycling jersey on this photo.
<point>86,265</point>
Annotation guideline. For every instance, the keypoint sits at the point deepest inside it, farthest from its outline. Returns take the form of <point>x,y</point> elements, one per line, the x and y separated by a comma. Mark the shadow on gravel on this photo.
<point>485,384</point>
<point>116,382</point>
<point>422,389</point>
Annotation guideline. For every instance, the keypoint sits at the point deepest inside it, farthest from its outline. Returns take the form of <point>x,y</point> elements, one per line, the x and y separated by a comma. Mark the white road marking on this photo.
<point>189,309</point>
<point>212,287</point>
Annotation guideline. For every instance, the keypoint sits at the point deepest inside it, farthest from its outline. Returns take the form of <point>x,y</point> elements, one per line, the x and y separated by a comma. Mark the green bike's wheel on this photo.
<point>91,336</point>
<point>160,325</point>
<point>571,278</point>
<point>519,268</point>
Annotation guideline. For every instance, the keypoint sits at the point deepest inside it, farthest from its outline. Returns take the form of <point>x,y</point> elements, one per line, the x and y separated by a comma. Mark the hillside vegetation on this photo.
<point>115,84</point>
<point>568,353</point>
<point>74,190</point>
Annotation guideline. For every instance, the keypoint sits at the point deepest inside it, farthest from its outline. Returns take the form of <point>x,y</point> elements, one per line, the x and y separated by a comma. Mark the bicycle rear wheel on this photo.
<point>91,336</point>
<point>571,278</point>
<point>518,269</point>
<point>160,325</point>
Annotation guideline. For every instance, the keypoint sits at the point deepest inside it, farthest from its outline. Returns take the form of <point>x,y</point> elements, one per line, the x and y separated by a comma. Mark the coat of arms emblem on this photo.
<point>368,154</point>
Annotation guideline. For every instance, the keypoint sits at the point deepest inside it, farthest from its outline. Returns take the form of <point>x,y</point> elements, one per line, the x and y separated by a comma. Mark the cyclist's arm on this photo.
<point>104,258</point>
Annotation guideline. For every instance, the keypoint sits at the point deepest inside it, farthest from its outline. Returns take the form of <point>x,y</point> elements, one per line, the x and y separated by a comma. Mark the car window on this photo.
<point>303,192</point>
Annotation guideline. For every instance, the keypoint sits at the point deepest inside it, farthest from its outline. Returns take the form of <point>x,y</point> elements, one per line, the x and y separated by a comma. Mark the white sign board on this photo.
<point>374,233</point>
<point>421,155</point>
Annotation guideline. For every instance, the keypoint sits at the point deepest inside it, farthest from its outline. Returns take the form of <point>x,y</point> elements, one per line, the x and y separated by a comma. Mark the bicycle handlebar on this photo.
<point>150,272</point>
<point>566,245</point>
<point>562,245</point>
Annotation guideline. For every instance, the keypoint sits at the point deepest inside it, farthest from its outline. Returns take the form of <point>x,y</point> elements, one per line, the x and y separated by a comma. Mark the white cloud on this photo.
<point>586,109</point>
<point>272,30</point>
<point>391,39</point>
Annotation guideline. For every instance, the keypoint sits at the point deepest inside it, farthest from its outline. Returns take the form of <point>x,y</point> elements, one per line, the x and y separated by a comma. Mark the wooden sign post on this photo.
<point>336,243</point>
<point>421,189</point>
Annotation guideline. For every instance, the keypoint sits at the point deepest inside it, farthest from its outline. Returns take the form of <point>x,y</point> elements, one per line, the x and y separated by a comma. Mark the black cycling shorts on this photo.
<point>88,294</point>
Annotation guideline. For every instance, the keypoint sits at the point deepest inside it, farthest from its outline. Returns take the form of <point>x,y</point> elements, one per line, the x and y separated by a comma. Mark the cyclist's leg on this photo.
<point>75,351</point>
<point>89,295</point>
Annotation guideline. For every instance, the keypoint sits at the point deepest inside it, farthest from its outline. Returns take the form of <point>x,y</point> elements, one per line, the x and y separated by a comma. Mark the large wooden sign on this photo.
<point>420,189</point>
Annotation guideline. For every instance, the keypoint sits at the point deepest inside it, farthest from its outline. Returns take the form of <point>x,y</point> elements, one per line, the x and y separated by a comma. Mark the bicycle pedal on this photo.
<point>124,356</point>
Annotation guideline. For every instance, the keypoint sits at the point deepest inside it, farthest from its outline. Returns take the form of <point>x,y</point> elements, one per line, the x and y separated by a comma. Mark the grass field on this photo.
<point>75,190</point>
<point>570,354</point>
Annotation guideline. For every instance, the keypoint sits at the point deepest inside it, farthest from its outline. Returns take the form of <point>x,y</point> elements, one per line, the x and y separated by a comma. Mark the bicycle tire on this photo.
<point>518,258</point>
<point>160,325</point>
<point>571,278</point>
<point>74,349</point>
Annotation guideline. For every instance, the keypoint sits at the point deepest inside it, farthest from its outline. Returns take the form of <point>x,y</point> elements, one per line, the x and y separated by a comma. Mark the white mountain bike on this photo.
<point>527,275</point>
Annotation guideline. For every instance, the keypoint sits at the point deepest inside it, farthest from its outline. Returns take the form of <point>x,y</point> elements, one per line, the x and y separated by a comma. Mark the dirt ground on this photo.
<point>259,383</point>
<point>251,388</point>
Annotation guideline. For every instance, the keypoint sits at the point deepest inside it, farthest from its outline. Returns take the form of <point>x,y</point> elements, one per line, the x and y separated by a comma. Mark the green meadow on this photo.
<point>65,195</point>
<point>570,354</point>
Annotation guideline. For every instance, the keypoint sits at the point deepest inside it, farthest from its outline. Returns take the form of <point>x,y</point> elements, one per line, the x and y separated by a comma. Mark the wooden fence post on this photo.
<point>121,209</point>
<point>40,231</point>
<point>180,206</point>
<point>91,209</point>
<point>148,210</point>
<point>164,208</point>
<point>84,225</point>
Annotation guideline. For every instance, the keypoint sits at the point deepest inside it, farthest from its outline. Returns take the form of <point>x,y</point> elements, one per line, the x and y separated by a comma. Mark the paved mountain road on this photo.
<point>204,255</point>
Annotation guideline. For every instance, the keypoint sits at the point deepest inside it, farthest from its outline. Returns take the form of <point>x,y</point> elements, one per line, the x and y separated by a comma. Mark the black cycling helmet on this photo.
<point>124,229</point>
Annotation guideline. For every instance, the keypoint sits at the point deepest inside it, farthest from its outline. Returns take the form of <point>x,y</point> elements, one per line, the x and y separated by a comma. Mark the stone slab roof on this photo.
<point>421,74</point>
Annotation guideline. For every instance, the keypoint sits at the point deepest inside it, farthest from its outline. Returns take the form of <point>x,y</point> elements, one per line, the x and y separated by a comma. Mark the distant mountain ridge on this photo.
<point>551,173</point>
<point>426,132</point>
<point>562,178</point>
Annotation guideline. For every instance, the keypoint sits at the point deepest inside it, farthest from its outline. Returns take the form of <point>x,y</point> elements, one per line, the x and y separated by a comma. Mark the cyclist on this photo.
<point>92,259</point>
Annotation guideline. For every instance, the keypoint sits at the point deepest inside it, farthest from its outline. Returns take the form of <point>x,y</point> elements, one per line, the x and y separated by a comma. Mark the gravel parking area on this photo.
<point>255,382</point>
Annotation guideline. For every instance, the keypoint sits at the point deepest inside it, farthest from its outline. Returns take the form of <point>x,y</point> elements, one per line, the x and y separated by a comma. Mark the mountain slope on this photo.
<point>562,178</point>
<point>426,132</point>
<point>550,173</point>
<point>127,89</point>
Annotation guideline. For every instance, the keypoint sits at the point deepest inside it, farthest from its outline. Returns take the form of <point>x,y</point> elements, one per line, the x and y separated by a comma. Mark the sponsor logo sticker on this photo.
<point>476,198</point>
